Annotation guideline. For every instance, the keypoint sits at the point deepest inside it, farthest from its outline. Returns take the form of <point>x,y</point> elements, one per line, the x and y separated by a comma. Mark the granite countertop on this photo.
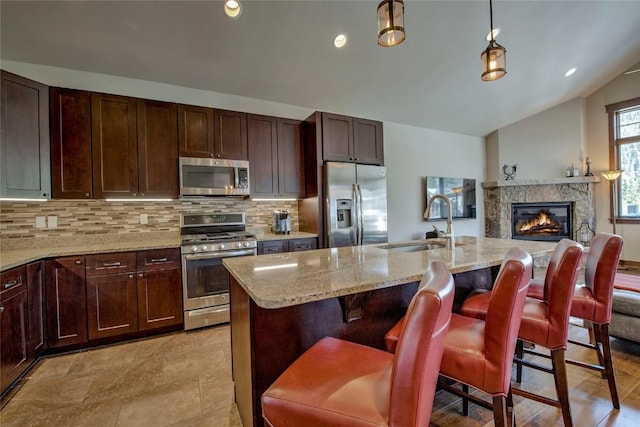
<point>293,235</point>
<point>23,251</point>
<point>287,279</point>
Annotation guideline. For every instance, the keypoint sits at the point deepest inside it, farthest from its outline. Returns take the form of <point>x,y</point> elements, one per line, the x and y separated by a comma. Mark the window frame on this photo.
<point>614,153</point>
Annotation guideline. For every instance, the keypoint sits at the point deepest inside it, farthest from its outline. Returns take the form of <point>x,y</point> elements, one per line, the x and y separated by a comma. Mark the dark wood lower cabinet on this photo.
<point>159,299</point>
<point>112,305</point>
<point>35,299</point>
<point>66,302</point>
<point>13,326</point>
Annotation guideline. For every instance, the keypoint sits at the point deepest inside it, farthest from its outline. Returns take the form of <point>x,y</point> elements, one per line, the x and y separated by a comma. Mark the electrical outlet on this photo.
<point>144,218</point>
<point>52,222</point>
<point>41,222</point>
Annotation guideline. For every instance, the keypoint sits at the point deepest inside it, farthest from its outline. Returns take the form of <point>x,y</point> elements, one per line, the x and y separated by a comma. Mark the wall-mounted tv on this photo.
<point>461,192</point>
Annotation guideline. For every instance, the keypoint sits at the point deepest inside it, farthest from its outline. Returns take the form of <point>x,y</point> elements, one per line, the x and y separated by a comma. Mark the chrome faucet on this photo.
<point>449,234</point>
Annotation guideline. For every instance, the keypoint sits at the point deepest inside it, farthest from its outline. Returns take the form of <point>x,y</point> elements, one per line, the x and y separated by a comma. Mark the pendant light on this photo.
<point>494,60</point>
<point>391,23</point>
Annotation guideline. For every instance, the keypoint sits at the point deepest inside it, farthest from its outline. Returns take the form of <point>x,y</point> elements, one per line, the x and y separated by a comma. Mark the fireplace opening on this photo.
<point>546,221</point>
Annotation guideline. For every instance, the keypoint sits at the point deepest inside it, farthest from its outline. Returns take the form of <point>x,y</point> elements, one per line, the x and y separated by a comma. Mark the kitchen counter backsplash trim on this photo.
<point>94,218</point>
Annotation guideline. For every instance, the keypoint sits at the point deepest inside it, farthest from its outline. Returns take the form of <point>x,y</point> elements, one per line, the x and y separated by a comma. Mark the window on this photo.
<point>624,154</point>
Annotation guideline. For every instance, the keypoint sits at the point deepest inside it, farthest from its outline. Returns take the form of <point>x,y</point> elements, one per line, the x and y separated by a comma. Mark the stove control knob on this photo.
<point>194,248</point>
<point>246,244</point>
<point>204,248</point>
<point>221,246</point>
<point>238,245</point>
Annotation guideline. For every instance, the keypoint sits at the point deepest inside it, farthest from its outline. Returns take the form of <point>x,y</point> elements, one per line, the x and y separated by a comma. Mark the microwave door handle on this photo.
<point>236,177</point>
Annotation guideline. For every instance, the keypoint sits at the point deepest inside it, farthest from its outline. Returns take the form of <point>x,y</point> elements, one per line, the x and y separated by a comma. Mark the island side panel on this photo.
<point>280,336</point>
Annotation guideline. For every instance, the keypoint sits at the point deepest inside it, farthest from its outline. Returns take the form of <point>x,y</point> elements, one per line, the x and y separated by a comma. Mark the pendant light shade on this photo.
<point>391,23</point>
<point>494,57</point>
<point>494,62</point>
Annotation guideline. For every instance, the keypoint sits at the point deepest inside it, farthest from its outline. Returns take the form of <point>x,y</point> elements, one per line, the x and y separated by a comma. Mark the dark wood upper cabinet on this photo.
<point>230,135</point>
<point>24,138</point>
<point>290,158</point>
<point>276,157</point>
<point>157,149</point>
<point>134,145</point>
<point>114,142</point>
<point>367,142</point>
<point>208,132</point>
<point>66,302</point>
<point>350,139</point>
<point>70,112</point>
<point>263,155</point>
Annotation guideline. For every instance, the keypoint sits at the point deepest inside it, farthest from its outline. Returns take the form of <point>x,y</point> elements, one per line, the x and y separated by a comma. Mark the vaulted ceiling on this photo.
<point>283,51</point>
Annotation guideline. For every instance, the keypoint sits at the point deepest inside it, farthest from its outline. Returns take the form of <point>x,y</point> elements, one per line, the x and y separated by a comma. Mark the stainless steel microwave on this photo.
<point>213,177</point>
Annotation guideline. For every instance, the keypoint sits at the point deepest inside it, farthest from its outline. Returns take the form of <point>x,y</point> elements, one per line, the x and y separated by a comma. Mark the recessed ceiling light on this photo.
<point>340,41</point>
<point>495,32</point>
<point>232,8</point>
<point>570,72</point>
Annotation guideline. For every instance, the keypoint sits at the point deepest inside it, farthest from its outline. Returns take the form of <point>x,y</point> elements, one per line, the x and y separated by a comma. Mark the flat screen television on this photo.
<point>461,192</point>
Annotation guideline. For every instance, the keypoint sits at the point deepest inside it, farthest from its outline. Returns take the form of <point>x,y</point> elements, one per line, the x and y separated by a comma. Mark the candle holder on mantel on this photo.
<point>588,162</point>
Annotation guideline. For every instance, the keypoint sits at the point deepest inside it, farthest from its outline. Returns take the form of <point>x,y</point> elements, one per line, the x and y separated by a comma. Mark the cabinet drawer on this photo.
<point>158,259</point>
<point>12,283</point>
<point>272,247</point>
<point>302,244</point>
<point>112,263</point>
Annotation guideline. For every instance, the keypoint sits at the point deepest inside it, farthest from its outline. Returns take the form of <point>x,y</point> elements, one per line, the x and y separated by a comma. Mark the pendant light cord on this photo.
<point>491,19</point>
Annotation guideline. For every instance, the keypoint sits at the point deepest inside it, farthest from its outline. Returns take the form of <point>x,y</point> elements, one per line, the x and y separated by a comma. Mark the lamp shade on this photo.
<point>611,175</point>
<point>391,23</point>
<point>494,62</point>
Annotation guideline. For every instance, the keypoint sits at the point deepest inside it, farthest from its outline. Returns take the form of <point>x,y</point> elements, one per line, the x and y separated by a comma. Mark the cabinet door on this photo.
<point>24,138</point>
<point>272,247</point>
<point>367,142</point>
<point>263,155</point>
<point>13,332</point>
<point>230,128</point>
<point>70,112</point>
<point>337,138</point>
<point>305,244</point>
<point>195,131</point>
<point>35,300</point>
<point>112,305</point>
<point>290,159</point>
<point>157,149</point>
<point>66,302</point>
<point>114,144</point>
<point>159,298</point>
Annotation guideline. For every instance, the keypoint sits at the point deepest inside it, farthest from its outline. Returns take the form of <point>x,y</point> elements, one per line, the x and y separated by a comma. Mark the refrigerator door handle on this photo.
<point>355,220</point>
<point>360,215</point>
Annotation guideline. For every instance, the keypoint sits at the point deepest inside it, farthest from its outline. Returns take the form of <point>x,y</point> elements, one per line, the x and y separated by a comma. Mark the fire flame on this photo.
<point>541,220</point>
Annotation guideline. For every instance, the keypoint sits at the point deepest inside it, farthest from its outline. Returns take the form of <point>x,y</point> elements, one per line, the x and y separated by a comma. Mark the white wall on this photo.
<point>542,145</point>
<point>410,154</point>
<point>620,89</point>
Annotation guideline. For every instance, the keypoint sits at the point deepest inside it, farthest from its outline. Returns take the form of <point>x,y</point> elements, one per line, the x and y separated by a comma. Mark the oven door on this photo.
<point>205,280</point>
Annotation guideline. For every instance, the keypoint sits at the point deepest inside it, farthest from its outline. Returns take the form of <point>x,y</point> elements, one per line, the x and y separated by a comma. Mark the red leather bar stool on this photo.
<point>479,353</point>
<point>339,383</point>
<point>545,322</point>
<point>592,303</point>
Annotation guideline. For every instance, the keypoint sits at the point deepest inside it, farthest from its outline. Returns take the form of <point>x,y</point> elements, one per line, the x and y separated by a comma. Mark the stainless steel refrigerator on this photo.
<point>356,197</point>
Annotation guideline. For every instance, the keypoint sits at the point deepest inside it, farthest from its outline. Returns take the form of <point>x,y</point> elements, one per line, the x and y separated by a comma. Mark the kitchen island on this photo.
<point>282,304</point>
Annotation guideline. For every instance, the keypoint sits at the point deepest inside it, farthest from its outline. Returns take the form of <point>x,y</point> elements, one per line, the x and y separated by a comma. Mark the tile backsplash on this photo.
<point>86,217</point>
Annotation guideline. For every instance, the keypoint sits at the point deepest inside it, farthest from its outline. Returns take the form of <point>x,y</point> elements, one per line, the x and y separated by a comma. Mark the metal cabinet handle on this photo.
<point>1,309</point>
<point>111,264</point>
<point>78,262</point>
<point>131,276</point>
<point>10,284</point>
<point>159,259</point>
<point>140,274</point>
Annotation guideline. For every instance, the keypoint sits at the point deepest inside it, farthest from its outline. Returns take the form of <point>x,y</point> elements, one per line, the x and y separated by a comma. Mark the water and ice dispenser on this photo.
<point>343,213</point>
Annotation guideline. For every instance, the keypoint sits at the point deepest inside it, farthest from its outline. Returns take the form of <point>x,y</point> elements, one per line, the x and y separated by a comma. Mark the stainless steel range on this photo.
<point>206,240</point>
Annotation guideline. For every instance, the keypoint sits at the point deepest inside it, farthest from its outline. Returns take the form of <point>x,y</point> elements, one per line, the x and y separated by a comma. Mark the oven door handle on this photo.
<point>227,254</point>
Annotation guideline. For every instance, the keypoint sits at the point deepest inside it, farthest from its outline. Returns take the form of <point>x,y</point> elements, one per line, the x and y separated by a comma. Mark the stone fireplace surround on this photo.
<point>498,197</point>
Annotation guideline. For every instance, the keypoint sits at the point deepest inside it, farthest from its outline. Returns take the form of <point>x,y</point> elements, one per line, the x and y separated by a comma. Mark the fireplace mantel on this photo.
<point>547,181</point>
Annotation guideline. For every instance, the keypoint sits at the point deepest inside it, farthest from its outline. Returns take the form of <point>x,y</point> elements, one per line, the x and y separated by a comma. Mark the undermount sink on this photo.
<point>413,247</point>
